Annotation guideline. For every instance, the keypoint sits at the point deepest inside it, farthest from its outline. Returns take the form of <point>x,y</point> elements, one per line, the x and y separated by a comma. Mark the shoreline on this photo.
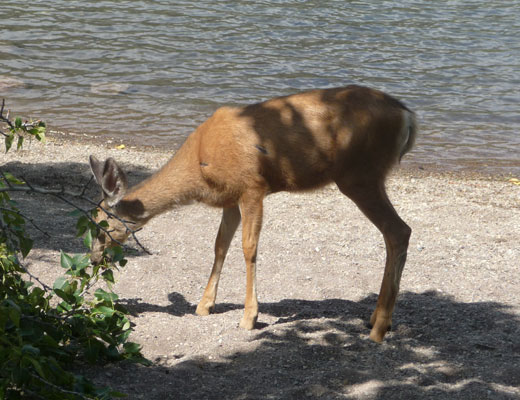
<point>406,167</point>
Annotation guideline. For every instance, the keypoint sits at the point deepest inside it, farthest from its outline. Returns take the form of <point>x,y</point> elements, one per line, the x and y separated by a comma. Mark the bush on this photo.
<point>42,329</point>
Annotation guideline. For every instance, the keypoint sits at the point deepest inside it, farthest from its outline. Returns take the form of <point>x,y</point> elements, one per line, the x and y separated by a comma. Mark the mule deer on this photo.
<point>351,136</point>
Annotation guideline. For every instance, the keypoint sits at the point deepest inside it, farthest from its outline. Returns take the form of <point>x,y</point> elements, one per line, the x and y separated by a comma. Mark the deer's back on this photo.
<point>302,141</point>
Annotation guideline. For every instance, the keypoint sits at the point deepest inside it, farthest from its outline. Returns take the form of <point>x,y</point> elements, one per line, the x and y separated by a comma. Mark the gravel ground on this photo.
<point>456,331</point>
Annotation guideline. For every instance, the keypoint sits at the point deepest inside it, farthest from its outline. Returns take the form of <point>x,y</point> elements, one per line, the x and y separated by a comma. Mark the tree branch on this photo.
<point>26,218</point>
<point>6,118</point>
<point>58,388</point>
<point>61,195</point>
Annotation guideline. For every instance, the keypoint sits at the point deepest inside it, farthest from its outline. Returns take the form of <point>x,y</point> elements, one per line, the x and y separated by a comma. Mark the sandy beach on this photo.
<point>456,327</point>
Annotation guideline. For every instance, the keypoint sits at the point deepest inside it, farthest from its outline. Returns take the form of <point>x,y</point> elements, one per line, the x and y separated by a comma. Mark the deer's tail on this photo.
<point>409,132</point>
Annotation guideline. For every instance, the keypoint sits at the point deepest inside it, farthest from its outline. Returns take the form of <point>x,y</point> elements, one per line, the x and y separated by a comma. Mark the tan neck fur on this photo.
<point>177,183</point>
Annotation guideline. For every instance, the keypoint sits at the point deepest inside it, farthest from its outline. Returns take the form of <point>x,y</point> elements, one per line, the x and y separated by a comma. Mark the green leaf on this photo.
<point>18,123</point>
<point>93,348</point>
<point>80,261</point>
<point>81,229</point>
<point>14,316</point>
<point>25,246</point>
<point>124,336</point>
<point>36,295</point>
<point>60,283</point>
<point>105,296</point>
<point>75,213</point>
<point>66,261</point>
<point>132,348</point>
<point>108,276</point>
<point>20,143</point>
<point>41,133</point>
<point>65,296</point>
<point>116,255</point>
<point>87,241</point>
<point>95,269</point>
<point>81,225</point>
<point>28,349</point>
<point>37,366</point>
<point>38,131</point>
<point>9,142</point>
<point>13,179</point>
<point>64,306</point>
<point>106,311</point>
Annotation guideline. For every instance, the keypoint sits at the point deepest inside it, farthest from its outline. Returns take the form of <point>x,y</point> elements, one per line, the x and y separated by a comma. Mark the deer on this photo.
<point>351,136</point>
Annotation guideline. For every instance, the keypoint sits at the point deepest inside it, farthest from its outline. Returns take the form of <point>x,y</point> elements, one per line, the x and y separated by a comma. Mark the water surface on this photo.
<point>149,72</point>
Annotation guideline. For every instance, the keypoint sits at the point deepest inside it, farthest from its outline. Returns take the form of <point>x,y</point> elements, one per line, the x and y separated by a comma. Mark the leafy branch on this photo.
<point>43,329</point>
<point>20,130</point>
<point>64,195</point>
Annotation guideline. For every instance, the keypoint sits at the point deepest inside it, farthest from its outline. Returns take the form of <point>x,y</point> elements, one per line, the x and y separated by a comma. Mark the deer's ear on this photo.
<point>97,169</point>
<point>111,178</point>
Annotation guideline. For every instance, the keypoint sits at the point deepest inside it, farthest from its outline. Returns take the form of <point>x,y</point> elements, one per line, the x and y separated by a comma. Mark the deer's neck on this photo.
<point>177,183</point>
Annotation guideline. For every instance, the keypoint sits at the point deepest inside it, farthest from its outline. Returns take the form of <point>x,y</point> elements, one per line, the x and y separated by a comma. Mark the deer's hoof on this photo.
<point>248,323</point>
<point>204,309</point>
<point>379,329</point>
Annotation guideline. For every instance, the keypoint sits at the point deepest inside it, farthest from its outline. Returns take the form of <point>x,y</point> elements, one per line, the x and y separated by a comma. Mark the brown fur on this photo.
<point>351,136</point>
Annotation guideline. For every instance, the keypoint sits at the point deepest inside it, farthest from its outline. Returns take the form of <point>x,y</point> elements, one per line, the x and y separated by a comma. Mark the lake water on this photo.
<point>148,72</point>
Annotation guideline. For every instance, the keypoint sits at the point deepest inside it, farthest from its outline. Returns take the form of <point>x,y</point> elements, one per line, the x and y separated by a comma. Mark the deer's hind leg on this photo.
<point>228,227</point>
<point>372,200</point>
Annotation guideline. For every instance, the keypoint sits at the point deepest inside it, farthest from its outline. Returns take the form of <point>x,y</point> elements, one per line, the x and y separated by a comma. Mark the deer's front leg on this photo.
<point>252,210</point>
<point>228,227</point>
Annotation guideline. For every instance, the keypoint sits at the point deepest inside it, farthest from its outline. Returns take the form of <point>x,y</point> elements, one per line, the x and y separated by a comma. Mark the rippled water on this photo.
<point>150,71</point>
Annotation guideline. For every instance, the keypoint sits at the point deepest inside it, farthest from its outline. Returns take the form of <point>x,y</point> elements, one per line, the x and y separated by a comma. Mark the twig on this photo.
<point>6,118</point>
<point>60,389</point>
<point>98,205</point>
<point>26,218</point>
<point>86,185</point>
<point>42,284</point>
<point>62,192</point>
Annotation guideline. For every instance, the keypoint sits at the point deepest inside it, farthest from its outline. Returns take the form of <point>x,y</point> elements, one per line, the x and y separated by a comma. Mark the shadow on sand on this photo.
<point>440,349</point>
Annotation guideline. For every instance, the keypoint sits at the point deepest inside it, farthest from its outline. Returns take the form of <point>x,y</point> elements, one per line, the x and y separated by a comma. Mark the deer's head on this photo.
<point>112,180</point>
